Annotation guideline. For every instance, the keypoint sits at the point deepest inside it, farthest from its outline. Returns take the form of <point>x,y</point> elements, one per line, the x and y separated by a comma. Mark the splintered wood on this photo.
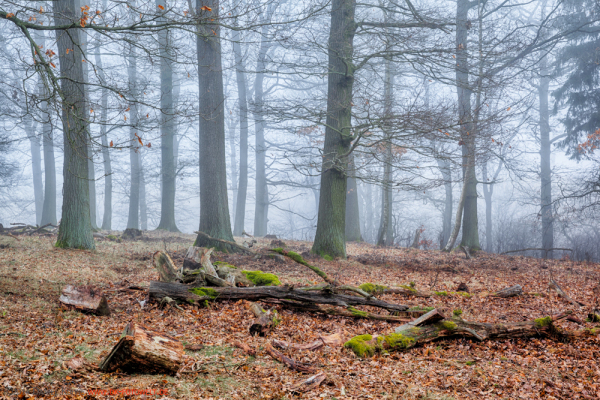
<point>146,351</point>
<point>85,298</point>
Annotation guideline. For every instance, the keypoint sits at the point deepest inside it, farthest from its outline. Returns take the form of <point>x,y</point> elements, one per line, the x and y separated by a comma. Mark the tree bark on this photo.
<point>240,207</point>
<point>36,168</point>
<point>165,267</point>
<point>385,234</point>
<point>167,205</point>
<point>352,212</point>
<point>145,351</point>
<point>75,229</point>
<point>133,220</point>
<point>265,321</point>
<point>214,206</point>
<point>330,236</point>
<point>515,290</point>
<point>85,298</point>
<point>444,167</point>
<point>545,166</point>
<point>107,215</point>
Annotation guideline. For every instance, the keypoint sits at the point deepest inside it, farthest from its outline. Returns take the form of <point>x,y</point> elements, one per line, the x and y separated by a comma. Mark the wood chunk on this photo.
<point>515,290</point>
<point>194,347</point>
<point>245,348</point>
<point>165,267</point>
<point>309,384</point>
<point>429,318</point>
<point>85,298</point>
<point>264,323</point>
<point>289,362</point>
<point>145,351</point>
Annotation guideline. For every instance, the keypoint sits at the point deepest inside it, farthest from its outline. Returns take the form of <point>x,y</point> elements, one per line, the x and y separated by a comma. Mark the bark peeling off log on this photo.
<point>85,298</point>
<point>367,345</point>
<point>143,350</point>
<point>165,267</point>
<point>181,292</point>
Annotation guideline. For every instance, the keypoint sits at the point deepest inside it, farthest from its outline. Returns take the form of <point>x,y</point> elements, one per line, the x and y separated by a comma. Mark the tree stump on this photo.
<point>146,351</point>
<point>165,267</point>
<point>265,321</point>
<point>85,298</point>
<point>515,290</point>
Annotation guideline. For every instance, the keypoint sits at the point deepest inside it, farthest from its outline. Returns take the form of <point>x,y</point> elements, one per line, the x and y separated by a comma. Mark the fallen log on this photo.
<point>375,289</point>
<point>308,384</point>
<point>330,340</point>
<point>165,267</point>
<point>87,299</point>
<point>265,321</point>
<point>368,345</point>
<point>289,362</point>
<point>431,317</point>
<point>515,290</point>
<point>227,242</point>
<point>146,351</point>
<point>553,285</point>
<point>189,294</point>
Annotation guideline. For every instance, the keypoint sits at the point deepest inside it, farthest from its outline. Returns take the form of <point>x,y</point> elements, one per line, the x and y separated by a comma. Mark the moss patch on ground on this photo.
<point>260,278</point>
<point>372,288</point>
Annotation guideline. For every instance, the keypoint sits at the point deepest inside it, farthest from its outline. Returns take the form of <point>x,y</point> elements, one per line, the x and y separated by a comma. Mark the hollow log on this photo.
<point>289,362</point>
<point>165,267</point>
<point>367,345</point>
<point>515,290</point>
<point>181,292</point>
<point>85,298</point>
<point>146,351</point>
<point>265,321</point>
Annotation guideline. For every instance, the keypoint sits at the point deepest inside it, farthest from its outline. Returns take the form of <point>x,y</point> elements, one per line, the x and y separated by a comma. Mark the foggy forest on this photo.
<point>243,198</point>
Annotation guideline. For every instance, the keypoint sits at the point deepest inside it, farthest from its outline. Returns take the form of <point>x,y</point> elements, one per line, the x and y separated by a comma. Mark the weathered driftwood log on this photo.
<point>367,345</point>
<point>515,290</point>
<point>553,285</point>
<point>289,362</point>
<point>184,293</point>
<point>402,316</point>
<point>308,384</point>
<point>143,350</point>
<point>265,321</point>
<point>165,267</point>
<point>85,298</point>
<point>334,340</point>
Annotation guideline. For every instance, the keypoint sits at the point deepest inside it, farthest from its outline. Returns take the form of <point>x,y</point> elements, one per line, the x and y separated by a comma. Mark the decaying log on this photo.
<point>334,340</point>
<point>245,348</point>
<point>350,311</point>
<point>182,293</point>
<point>309,384</point>
<point>289,362</point>
<point>429,318</point>
<point>515,290</point>
<point>367,345</point>
<point>553,285</point>
<point>85,298</point>
<point>227,242</point>
<point>265,321</point>
<point>165,267</point>
<point>406,291</point>
<point>143,350</point>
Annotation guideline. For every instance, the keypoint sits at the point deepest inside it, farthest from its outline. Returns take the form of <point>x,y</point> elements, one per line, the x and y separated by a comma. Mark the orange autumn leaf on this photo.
<point>111,143</point>
<point>161,7</point>
<point>128,108</point>
<point>149,145</point>
<point>10,15</point>
<point>53,66</point>
<point>125,117</point>
<point>206,8</point>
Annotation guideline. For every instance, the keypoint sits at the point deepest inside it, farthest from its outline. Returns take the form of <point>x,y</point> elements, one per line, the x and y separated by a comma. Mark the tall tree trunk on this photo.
<point>240,208</point>
<point>385,234</point>
<point>444,167</point>
<point>214,207</point>
<point>470,236</point>
<point>167,133</point>
<point>75,229</point>
<point>134,149</point>
<point>231,125</point>
<point>330,238</point>
<point>143,204</point>
<point>107,215</point>
<point>352,213</point>
<point>545,167</point>
<point>488,190</point>
<point>36,168</point>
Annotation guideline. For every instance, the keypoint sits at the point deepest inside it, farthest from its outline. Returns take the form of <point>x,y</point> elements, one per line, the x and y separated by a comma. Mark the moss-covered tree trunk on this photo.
<point>330,237</point>
<point>214,206</point>
<point>75,229</point>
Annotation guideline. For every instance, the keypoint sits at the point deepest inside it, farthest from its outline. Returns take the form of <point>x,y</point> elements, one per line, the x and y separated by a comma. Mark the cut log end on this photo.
<point>88,299</point>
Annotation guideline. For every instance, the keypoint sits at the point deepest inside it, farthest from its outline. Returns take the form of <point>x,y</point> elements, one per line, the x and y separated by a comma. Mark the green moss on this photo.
<point>594,317</point>
<point>457,312</point>
<point>442,293</point>
<point>326,257</point>
<point>296,257</point>
<point>360,347</point>
<point>205,291</point>
<point>260,278</point>
<point>60,244</point>
<point>470,362</point>
<point>465,294</point>
<point>407,287</point>
<point>420,308</point>
<point>357,312</point>
<point>372,288</point>
<point>594,331</point>
<point>447,325</point>
<point>224,264</point>
<point>397,341</point>
<point>542,322</point>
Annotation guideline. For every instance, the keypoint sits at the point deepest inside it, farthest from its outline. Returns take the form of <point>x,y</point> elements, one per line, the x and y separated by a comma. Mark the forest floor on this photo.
<point>37,338</point>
